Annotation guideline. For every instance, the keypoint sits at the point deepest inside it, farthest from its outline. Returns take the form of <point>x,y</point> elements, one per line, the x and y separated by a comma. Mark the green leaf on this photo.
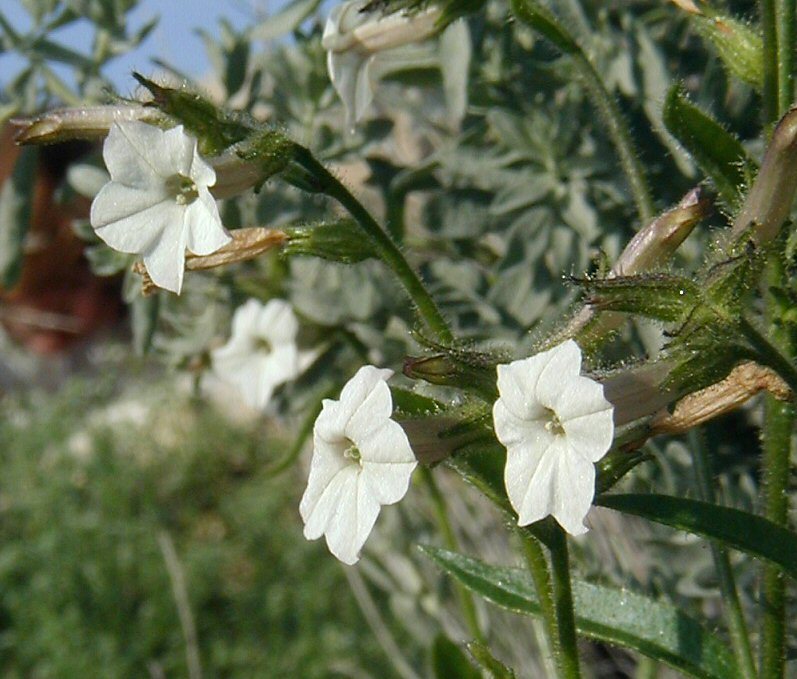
<point>735,528</point>
<point>617,617</point>
<point>449,662</point>
<point>488,661</point>
<point>16,198</point>
<point>718,153</point>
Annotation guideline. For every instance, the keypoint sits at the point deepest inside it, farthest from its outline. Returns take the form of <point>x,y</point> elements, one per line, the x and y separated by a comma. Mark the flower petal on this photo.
<point>132,154</point>
<point>140,231</point>
<point>165,258</point>
<point>204,231</point>
<point>388,463</point>
<point>116,202</point>
<point>277,323</point>
<point>371,414</point>
<point>176,154</point>
<point>573,490</point>
<point>562,364</point>
<point>354,393</point>
<point>528,478</point>
<point>352,522</point>
<point>512,430</point>
<point>516,385</point>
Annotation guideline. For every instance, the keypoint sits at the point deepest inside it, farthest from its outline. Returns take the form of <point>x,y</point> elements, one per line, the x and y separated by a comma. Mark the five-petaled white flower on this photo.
<point>361,460</point>
<point>261,353</point>
<point>157,203</point>
<point>555,425</point>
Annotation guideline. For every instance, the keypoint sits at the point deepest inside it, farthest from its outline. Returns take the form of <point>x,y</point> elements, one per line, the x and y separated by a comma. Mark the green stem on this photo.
<point>768,354</point>
<point>538,568</point>
<point>769,93</point>
<point>387,250</point>
<point>547,23</point>
<point>466,601</point>
<point>784,30</point>
<point>737,626</point>
<point>563,598</point>
<point>779,421</point>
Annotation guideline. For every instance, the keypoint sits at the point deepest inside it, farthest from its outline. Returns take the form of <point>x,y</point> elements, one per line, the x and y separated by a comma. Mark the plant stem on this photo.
<point>737,626</point>
<point>784,30</point>
<point>768,354</point>
<point>778,426</point>
<point>549,25</point>
<point>563,597</point>
<point>538,568</point>
<point>385,248</point>
<point>769,93</point>
<point>466,601</point>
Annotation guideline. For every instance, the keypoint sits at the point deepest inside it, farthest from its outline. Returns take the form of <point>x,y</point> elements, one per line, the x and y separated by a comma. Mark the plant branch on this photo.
<point>737,626</point>
<point>546,23</point>
<point>466,601</point>
<point>385,248</point>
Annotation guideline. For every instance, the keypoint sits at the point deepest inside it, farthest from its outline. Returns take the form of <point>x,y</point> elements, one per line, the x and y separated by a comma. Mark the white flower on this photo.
<point>157,203</point>
<point>261,353</point>
<point>555,425</point>
<point>354,40</point>
<point>361,461</point>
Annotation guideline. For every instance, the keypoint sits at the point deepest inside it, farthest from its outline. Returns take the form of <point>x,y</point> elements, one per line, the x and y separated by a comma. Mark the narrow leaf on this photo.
<point>288,19</point>
<point>733,527</point>
<point>718,153</point>
<point>617,617</point>
<point>489,662</point>
<point>448,660</point>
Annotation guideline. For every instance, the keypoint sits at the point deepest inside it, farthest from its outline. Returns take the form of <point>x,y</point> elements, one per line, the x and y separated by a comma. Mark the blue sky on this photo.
<point>174,39</point>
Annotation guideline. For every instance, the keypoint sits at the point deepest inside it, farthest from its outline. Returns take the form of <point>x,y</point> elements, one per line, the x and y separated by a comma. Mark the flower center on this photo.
<point>352,453</point>
<point>182,188</point>
<point>554,424</point>
<point>262,345</point>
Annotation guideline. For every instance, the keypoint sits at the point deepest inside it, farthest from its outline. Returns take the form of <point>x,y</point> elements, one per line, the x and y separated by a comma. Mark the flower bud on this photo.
<point>451,370</point>
<point>86,122</point>
<point>650,248</point>
<point>339,241</point>
<point>769,201</point>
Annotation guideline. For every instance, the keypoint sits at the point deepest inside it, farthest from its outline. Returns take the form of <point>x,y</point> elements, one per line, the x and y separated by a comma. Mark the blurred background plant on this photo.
<point>146,529</point>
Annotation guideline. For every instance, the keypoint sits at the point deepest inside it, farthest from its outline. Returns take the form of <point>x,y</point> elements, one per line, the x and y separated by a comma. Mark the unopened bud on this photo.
<point>649,249</point>
<point>339,241</point>
<point>769,201</point>
<point>451,370</point>
<point>86,122</point>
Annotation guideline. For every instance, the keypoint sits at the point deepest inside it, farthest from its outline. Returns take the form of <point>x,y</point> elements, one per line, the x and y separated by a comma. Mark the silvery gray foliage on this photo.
<point>494,212</point>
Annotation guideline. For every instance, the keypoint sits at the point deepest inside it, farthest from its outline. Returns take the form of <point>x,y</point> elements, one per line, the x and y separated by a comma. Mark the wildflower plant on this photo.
<point>553,280</point>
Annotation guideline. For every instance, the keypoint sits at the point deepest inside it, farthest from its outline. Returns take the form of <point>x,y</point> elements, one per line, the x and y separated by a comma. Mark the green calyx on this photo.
<point>336,241</point>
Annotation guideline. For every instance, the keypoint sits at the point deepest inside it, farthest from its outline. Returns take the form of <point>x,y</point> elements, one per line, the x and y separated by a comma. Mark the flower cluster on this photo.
<point>554,422</point>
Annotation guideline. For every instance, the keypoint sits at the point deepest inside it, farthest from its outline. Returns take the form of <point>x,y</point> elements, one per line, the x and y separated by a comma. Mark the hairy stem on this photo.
<point>385,248</point>
<point>545,22</point>
<point>737,626</point>
<point>769,93</point>
<point>778,426</point>
<point>563,599</point>
<point>541,576</point>
<point>768,354</point>
<point>466,601</point>
<point>784,31</point>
